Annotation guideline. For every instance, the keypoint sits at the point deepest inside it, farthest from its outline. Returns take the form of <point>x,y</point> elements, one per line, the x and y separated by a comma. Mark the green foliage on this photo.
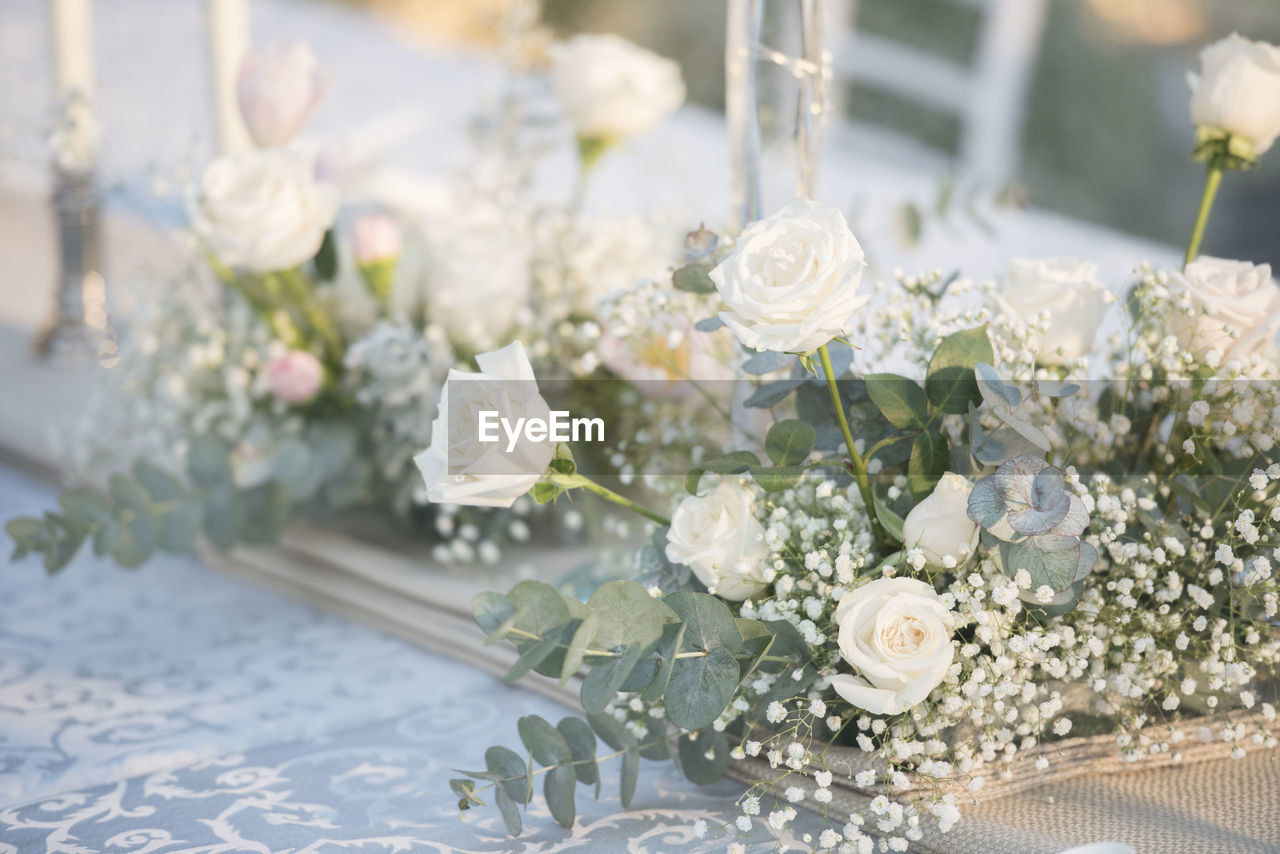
<point>734,462</point>
<point>150,509</point>
<point>686,651</point>
<point>900,401</point>
<point>928,463</point>
<point>950,384</point>
<point>693,279</point>
<point>789,442</point>
<point>1040,525</point>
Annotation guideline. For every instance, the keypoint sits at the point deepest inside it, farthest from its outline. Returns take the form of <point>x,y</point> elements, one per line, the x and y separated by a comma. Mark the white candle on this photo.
<point>228,43</point>
<point>72,49</point>
<point>74,142</point>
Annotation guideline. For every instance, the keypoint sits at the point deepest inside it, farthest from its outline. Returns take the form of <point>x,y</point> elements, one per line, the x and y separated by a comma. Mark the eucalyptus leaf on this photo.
<point>540,610</point>
<point>605,678</point>
<point>767,362</point>
<point>709,623</point>
<point>709,324</point>
<point>511,772</point>
<point>704,756</point>
<point>209,462</point>
<point>1049,559</point>
<point>993,389</point>
<point>771,394</point>
<point>582,638</point>
<point>558,790</point>
<point>544,741</point>
<point>495,615</point>
<point>986,507</point>
<point>510,812</point>
<point>701,688</point>
<point>582,742</point>
<point>628,615</point>
<point>693,278</point>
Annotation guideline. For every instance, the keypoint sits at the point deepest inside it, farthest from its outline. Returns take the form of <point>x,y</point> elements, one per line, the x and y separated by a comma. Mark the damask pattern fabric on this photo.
<point>172,709</point>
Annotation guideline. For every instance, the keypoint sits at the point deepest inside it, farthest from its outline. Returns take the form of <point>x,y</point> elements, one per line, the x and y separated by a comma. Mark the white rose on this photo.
<point>1238,91</point>
<point>460,469</point>
<point>278,87</point>
<point>478,275</point>
<point>897,634</point>
<point>940,525</point>
<point>791,283</point>
<point>719,538</point>
<point>1235,308</point>
<point>262,209</point>
<point>1069,291</point>
<point>610,89</point>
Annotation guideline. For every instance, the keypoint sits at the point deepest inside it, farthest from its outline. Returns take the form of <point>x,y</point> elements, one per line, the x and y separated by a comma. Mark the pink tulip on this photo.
<point>295,377</point>
<point>279,86</point>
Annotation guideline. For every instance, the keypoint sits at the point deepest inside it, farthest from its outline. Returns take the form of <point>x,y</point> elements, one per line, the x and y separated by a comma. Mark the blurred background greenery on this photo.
<point>1106,137</point>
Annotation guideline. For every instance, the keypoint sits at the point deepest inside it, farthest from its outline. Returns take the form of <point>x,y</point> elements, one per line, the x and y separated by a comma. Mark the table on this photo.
<point>175,709</point>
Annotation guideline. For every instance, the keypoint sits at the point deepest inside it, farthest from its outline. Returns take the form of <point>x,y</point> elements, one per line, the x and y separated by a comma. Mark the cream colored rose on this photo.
<point>460,469</point>
<point>261,210</point>
<point>1068,290</point>
<point>1238,91</point>
<point>791,283</point>
<point>1235,308</point>
<point>610,89</point>
<point>896,634</point>
<point>940,526</point>
<point>718,537</point>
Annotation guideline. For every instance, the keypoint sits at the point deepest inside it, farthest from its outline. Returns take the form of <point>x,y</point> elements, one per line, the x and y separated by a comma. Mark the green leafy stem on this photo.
<point>684,650</point>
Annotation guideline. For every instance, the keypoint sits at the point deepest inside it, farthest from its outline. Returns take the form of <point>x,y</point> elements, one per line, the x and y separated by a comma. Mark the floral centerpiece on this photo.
<point>1019,512</point>
<point>299,376</point>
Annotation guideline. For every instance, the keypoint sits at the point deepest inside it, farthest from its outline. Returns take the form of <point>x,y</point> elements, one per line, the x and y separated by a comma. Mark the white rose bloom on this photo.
<point>1069,291</point>
<point>1235,308</point>
<point>791,283</point>
<point>460,469</point>
<point>940,525</point>
<point>262,210</point>
<point>1238,90</point>
<point>896,633</point>
<point>719,538</point>
<point>611,89</point>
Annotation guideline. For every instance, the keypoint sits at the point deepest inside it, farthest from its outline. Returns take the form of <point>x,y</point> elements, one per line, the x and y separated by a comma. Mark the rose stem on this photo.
<point>859,467</point>
<point>1212,180</point>
<point>574,481</point>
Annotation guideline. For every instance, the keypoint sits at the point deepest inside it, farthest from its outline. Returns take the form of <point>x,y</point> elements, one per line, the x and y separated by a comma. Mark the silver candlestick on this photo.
<point>79,326</point>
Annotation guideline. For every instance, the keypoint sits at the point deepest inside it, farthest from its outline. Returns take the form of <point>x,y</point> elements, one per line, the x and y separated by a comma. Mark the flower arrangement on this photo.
<point>1017,513</point>
<point>295,378</point>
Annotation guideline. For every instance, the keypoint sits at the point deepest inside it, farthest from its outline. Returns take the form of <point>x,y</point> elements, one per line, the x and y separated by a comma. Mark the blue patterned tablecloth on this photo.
<point>172,709</point>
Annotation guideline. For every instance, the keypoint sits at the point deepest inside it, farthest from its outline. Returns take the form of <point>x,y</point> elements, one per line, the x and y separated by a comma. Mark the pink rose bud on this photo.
<point>279,86</point>
<point>377,250</point>
<point>377,237</point>
<point>295,377</point>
